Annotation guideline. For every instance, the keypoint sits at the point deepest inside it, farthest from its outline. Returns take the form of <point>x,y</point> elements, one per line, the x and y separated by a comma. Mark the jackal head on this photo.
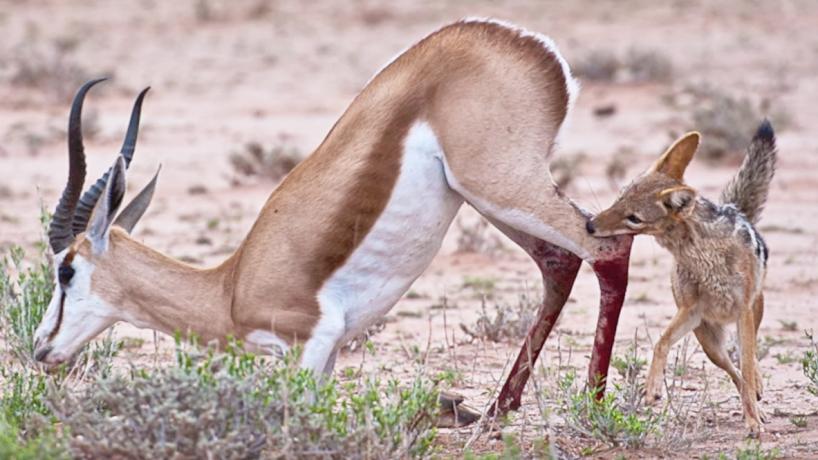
<point>656,199</point>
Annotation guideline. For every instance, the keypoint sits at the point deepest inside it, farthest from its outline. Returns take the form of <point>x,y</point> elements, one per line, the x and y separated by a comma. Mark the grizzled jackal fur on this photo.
<point>720,257</point>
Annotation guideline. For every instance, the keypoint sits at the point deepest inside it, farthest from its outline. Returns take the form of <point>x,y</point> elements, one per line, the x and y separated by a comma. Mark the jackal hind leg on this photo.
<point>749,376</point>
<point>711,336</point>
<point>758,313</point>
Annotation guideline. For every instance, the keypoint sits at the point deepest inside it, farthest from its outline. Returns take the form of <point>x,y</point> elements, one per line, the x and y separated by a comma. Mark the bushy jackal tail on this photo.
<point>749,188</point>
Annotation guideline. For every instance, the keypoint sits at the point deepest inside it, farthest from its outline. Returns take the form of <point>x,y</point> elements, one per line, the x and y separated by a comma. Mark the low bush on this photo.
<point>17,447</point>
<point>236,405</point>
<point>210,404</point>
<point>25,290</point>
<point>616,419</point>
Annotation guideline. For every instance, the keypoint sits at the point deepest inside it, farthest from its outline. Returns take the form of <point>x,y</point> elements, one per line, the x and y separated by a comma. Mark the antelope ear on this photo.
<point>678,200</point>
<point>129,216</point>
<point>675,160</point>
<point>107,206</point>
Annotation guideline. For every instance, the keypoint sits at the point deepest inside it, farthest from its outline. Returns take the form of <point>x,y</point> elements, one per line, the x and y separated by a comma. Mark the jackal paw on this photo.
<point>759,386</point>
<point>762,416</point>
<point>652,392</point>
<point>754,429</point>
<point>754,419</point>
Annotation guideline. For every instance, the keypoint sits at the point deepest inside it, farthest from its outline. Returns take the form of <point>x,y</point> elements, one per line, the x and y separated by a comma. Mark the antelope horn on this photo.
<point>129,216</point>
<point>91,196</point>
<point>60,234</point>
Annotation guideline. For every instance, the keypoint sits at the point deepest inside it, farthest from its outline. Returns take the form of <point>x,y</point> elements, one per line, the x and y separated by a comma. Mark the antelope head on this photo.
<point>81,237</point>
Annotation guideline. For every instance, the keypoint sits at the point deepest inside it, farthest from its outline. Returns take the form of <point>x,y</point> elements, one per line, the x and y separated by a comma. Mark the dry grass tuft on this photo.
<point>636,66</point>
<point>476,237</point>
<point>564,169</point>
<point>273,163</point>
<point>506,323</point>
<point>727,122</point>
<point>48,66</point>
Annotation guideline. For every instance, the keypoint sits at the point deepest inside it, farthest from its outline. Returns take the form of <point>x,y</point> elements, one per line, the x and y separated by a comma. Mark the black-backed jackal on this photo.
<point>720,257</point>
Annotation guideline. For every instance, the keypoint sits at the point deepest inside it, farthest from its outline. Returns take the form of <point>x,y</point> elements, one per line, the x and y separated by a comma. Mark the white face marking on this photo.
<point>84,314</point>
<point>398,248</point>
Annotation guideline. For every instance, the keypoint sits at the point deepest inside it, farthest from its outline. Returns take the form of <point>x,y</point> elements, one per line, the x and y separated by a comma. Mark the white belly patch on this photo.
<point>402,242</point>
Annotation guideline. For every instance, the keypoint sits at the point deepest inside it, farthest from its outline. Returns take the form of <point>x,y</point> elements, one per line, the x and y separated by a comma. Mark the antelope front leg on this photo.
<point>612,275</point>
<point>749,373</point>
<point>559,270</point>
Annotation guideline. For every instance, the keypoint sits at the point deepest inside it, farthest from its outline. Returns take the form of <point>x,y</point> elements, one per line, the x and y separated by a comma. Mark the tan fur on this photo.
<point>720,264</point>
<point>495,99</point>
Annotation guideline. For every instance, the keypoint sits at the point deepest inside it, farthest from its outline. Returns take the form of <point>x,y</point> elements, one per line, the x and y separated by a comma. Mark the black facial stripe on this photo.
<point>59,317</point>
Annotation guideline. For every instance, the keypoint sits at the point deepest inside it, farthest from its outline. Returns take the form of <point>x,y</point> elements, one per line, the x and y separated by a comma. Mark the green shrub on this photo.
<point>237,405</point>
<point>25,291</point>
<point>810,365</point>
<point>751,451</point>
<point>23,396</point>
<point>26,430</point>
<point>14,446</point>
<point>618,419</point>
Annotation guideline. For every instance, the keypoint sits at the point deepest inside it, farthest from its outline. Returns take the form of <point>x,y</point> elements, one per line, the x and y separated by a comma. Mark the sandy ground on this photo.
<point>280,73</point>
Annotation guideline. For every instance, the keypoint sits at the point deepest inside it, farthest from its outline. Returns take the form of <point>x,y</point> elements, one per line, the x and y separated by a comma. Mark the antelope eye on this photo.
<point>64,274</point>
<point>634,220</point>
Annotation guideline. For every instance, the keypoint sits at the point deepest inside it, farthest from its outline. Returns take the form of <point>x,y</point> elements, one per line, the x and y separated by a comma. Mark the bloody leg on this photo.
<point>559,269</point>
<point>612,275</point>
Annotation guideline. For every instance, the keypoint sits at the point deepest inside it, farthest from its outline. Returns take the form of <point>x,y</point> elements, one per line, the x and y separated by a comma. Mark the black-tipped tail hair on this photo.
<point>749,188</point>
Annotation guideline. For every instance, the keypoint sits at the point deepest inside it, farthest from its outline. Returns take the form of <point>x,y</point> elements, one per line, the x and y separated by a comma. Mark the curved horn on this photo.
<point>129,216</point>
<point>60,234</point>
<point>90,197</point>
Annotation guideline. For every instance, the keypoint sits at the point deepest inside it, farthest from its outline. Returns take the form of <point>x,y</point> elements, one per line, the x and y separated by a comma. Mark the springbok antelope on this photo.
<point>470,113</point>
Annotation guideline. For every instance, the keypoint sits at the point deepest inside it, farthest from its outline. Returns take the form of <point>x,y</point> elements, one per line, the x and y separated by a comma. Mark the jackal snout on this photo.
<point>654,200</point>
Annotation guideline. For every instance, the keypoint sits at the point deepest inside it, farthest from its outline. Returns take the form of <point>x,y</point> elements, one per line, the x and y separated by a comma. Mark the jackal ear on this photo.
<point>675,160</point>
<point>678,200</point>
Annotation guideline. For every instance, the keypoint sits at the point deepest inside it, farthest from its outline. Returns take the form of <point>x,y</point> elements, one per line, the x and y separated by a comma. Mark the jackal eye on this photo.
<point>633,219</point>
<point>64,274</point>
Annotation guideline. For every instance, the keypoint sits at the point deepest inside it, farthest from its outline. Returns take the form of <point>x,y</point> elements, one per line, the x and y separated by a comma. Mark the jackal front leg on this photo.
<point>685,321</point>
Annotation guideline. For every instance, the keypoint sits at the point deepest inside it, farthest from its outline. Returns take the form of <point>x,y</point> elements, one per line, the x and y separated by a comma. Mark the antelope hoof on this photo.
<point>453,413</point>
